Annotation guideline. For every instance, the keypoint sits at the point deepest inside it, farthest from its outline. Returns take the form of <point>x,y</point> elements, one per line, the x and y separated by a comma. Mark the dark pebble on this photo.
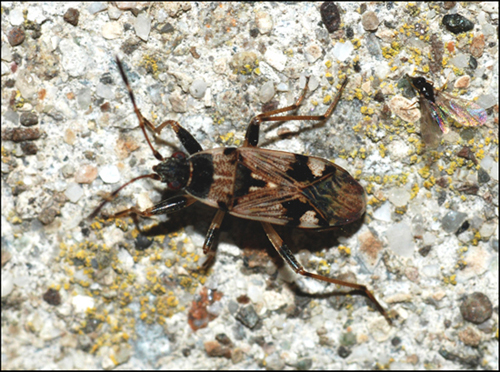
<point>29,148</point>
<point>21,134</point>
<point>166,29</point>
<point>223,339</point>
<point>349,33</point>
<point>247,316</point>
<point>106,78</point>
<point>254,32</point>
<point>476,308</point>
<point>16,36</point>
<point>29,119</point>
<point>396,341</point>
<point>330,16</point>
<point>71,16</point>
<point>142,242</point>
<point>424,251</point>
<point>457,24</point>
<point>472,63</point>
<point>463,228</point>
<point>483,176</point>
<point>343,352</point>
<point>52,297</point>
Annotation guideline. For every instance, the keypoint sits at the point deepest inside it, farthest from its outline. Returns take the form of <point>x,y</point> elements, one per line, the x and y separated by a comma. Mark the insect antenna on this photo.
<point>110,197</point>
<point>143,122</point>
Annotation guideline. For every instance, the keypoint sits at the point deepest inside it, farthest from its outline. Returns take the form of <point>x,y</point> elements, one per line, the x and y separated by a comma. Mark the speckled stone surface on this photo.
<point>96,294</point>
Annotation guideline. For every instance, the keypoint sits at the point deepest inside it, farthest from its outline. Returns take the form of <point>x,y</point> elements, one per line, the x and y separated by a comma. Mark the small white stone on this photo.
<point>264,22</point>
<point>399,196</point>
<point>198,88</point>
<point>383,213</point>
<point>342,51</point>
<point>275,58</point>
<point>16,17</point>
<point>74,192</point>
<point>313,52</point>
<point>400,239</point>
<point>112,30</point>
<point>109,174</point>
<point>266,92</point>
<point>143,26</point>
<point>81,303</point>
<point>114,13</point>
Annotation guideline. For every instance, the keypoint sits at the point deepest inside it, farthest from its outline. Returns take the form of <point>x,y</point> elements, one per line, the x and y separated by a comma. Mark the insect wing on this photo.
<point>430,132</point>
<point>288,189</point>
<point>464,112</point>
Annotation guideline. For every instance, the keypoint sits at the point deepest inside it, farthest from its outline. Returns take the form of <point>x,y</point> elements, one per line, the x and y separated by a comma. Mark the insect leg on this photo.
<point>190,144</point>
<point>252,134</point>
<point>170,205</point>
<point>289,258</point>
<point>210,245</point>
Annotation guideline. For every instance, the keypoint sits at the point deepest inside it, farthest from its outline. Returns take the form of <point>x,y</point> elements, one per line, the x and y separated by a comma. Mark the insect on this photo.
<point>436,106</point>
<point>273,187</point>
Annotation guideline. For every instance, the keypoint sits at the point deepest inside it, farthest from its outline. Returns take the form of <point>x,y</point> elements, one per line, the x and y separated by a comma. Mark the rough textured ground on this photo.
<point>96,294</point>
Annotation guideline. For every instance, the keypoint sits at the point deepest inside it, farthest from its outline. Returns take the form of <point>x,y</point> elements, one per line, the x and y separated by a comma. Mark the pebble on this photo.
<point>399,196</point>
<point>112,30</point>
<point>342,51</point>
<point>6,53</point>
<point>452,221</point>
<point>462,82</point>
<point>74,58</point>
<point>29,119</point>
<point>461,60</point>
<point>483,176</point>
<point>330,16</point>
<point>400,239</point>
<point>73,192</point>
<point>370,21</point>
<point>486,101</point>
<point>198,88</point>
<point>86,174</point>
<point>399,105</point>
<point>16,36</point>
<point>476,308</point>
<point>469,337</point>
<point>457,24</point>
<point>97,7</point>
<point>81,303</point>
<point>313,52</point>
<point>143,26</point>
<point>16,17</point>
<point>383,213</point>
<point>276,58</point>
<point>71,16</point>
<point>477,46</point>
<point>83,97</point>
<point>247,316</point>
<point>264,22</point>
<point>266,92</point>
<point>104,91</point>
<point>109,174</point>
<point>114,13</point>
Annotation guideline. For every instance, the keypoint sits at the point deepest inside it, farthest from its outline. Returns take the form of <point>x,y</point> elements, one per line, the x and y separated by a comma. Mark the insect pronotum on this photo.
<point>437,106</point>
<point>273,187</point>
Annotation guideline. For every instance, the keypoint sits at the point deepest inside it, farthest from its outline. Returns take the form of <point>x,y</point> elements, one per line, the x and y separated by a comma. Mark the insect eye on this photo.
<point>174,185</point>
<point>179,155</point>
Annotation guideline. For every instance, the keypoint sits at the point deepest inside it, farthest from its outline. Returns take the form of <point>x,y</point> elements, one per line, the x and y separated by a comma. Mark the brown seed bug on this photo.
<point>269,186</point>
<point>436,106</point>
